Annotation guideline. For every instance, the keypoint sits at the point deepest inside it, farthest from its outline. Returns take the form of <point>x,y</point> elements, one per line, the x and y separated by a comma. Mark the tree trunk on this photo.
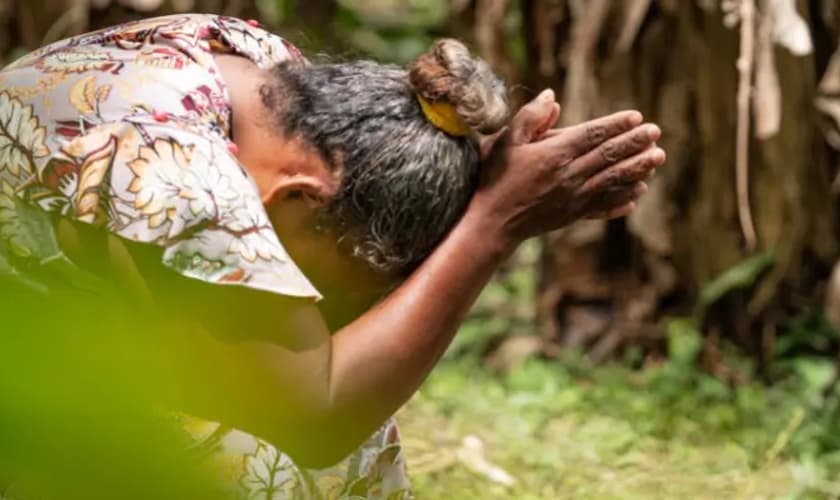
<point>607,285</point>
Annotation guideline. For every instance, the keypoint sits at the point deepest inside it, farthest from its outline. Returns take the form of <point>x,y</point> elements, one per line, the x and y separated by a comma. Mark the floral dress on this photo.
<point>127,129</point>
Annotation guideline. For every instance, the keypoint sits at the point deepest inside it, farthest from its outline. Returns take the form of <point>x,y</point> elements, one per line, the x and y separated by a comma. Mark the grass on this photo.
<point>565,430</point>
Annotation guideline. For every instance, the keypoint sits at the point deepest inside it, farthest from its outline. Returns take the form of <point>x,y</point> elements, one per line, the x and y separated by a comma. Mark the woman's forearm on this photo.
<point>380,360</point>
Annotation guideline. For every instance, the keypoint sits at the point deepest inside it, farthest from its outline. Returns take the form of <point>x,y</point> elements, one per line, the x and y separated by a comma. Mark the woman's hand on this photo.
<point>540,179</point>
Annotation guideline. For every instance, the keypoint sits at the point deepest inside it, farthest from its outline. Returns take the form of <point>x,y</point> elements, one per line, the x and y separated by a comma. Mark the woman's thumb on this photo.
<point>534,119</point>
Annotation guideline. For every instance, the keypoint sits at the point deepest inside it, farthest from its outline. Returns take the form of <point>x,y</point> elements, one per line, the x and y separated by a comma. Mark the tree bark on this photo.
<point>608,285</point>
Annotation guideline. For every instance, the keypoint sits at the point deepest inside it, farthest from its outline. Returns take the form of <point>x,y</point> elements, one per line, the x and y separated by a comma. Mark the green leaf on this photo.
<point>684,340</point>
<point>741,275</point>
<point>29,234</point>
<point>10,275</point>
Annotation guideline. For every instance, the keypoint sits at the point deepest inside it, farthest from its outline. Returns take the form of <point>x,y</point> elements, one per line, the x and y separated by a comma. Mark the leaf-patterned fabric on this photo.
<point>127,129</point>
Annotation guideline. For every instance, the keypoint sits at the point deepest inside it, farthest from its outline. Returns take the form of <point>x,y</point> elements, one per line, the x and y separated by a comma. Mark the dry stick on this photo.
<point>634,14</point>
<point>73,21</point>
<point>547,16</point>
<point>767,96</point>
<point>585,34</point>
<point>489,34</point>
<point>742,153</point>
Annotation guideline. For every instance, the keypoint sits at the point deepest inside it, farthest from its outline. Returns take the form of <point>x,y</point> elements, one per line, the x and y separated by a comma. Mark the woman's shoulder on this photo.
<point>193,34</point>
<point>205,32</point>
<point>149,162</point>
<point>251,39</point>
<point>160,185</point>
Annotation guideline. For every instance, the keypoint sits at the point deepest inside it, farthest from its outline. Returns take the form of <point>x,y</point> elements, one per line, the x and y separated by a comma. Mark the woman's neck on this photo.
<point>243,80</point>
<point>256,140</point>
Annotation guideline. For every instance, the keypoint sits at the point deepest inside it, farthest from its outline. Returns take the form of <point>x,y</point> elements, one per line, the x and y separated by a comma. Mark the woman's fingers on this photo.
<point>614,150</point>
<point>619,203</point>
<point>530,123</point>
<point>546,126</point>
<point>534,119</point>
<point>616,212</point>
<point>625,174</point>
<point>487,143</point>
<point>614,190</point>
<point>578,140</point>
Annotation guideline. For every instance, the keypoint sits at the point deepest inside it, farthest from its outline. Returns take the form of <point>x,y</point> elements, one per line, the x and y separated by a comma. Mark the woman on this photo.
<point>201,143</point>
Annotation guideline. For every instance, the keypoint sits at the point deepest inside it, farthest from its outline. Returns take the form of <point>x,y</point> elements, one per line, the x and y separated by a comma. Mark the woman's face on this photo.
<point>296,183</point>
<point>349,286</point>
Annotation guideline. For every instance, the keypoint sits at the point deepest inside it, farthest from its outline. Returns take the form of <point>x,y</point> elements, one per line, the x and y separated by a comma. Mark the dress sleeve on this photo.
<point>186,193</point>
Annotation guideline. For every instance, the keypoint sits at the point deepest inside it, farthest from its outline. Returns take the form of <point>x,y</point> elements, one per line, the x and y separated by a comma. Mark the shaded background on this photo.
<point>684,352</point>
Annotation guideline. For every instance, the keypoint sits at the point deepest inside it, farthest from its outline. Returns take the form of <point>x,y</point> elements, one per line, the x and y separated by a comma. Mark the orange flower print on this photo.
<point>86,97</point>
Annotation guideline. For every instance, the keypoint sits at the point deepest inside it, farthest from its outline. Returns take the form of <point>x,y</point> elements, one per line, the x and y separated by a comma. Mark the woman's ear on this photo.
<point>292,203</point>
<point>313,201</point>
<point>310,189</point>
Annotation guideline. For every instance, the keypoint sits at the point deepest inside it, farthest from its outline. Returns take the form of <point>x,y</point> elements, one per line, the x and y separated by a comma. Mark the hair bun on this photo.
<point>449,72</point>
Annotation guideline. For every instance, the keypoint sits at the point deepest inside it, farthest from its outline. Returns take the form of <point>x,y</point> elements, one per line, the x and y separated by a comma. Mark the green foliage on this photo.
<point>808,332</point>
<point>684,340</point>
<point>390,30</point>
<point>273,12</point>
<point>741,275</point>
<point>565,429</point>
<point>399,30</point>
<point>505,307</point>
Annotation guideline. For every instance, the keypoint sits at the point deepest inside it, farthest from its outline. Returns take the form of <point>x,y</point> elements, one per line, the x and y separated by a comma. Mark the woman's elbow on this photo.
<point>321,448</point>
<point>317,440</point>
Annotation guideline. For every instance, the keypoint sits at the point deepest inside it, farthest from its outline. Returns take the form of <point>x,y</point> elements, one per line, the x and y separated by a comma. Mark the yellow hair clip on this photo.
<point>443,116</point>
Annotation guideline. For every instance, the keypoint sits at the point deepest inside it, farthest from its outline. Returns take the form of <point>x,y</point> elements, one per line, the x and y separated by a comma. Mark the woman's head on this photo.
<point>404,181</point>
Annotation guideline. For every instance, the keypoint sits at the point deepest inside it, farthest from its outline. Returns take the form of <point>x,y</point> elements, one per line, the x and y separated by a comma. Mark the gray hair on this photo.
<point>405,183</point>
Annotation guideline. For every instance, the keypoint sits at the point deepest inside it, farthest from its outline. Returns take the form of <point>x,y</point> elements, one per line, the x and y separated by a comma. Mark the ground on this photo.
<point>560,429</point>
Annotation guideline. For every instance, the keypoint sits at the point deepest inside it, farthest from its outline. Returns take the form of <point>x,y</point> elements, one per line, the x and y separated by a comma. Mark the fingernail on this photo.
<point>642,188</point>
<point>658,155</point>
<point>546,95</point>
<point>636,118</point>
<point>654,132</point>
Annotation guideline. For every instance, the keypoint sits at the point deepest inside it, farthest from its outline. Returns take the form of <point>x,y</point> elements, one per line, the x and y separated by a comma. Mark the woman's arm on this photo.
<point>318,396</point>
<point>379,360</point>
